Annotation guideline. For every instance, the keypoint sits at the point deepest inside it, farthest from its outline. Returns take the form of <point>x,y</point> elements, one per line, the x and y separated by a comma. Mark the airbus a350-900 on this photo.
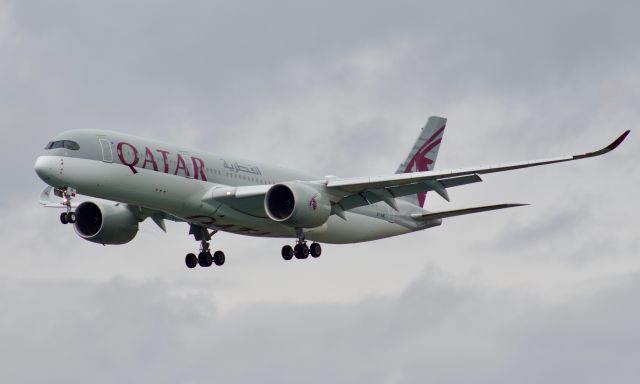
<point>130,179</point>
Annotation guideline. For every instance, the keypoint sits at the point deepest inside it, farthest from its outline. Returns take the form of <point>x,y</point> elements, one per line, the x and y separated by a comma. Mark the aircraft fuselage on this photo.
<point>173,179</point>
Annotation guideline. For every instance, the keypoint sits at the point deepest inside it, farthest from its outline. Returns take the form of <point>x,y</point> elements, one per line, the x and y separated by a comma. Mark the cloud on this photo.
<point>437,330</point>
<point>529,294</point>
<point>336,90</point>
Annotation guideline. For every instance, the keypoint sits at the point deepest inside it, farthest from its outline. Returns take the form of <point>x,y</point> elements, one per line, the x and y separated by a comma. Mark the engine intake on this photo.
<point>297,205</point>
<point>105,223</point>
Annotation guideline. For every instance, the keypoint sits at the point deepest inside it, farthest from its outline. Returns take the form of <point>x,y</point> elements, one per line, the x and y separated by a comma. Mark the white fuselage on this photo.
<point>162,177</point>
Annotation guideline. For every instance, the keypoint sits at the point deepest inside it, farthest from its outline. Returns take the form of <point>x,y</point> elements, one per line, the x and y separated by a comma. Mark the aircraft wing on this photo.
<point>349,193</point>
<point>361,184</point>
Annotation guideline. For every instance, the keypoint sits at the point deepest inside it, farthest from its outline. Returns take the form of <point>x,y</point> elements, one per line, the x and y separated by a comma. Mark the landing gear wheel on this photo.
<point>63,218</point>
<point>287,252</point>
<point>191,260</point>
<point>218,258</point>
<point>71,217</point>
<point>301,251</point>
<point>205,259</point>
<point>315,250</point>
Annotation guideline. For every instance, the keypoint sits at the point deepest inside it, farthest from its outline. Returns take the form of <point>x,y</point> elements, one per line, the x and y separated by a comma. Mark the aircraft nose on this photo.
<point>44,168</point>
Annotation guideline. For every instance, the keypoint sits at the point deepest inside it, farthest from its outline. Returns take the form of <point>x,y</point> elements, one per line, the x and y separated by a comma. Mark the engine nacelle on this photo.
<point>105,223</point>
<point>297,205</point>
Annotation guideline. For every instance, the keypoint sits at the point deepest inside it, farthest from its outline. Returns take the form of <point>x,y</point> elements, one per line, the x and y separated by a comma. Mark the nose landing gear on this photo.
<point>68,217</point>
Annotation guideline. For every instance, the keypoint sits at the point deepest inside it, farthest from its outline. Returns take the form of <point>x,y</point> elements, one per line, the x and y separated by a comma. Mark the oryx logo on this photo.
<point>313,203</point>
<point>420,162</point>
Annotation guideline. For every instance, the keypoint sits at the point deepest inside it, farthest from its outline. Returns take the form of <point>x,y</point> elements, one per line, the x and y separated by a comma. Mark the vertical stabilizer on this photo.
<point>424,153</point>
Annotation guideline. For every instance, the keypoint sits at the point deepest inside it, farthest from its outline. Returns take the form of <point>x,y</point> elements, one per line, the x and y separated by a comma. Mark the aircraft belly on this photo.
<point>357,228</point>
<point>230,220</point>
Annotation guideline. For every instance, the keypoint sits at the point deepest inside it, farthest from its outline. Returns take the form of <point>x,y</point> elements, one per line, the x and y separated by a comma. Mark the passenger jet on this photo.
<point>131,179</point>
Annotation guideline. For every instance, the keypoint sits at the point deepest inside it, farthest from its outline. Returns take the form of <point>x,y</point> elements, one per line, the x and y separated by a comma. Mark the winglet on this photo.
<point>606,149</point>
<point>618,141</point>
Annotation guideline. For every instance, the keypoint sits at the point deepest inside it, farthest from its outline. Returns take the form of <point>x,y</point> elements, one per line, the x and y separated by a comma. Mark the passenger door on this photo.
<point>105,146</point>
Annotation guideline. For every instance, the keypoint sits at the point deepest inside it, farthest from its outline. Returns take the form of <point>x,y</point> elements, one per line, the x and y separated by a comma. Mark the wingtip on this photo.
<point>606,149</point>
<point>618,141</point>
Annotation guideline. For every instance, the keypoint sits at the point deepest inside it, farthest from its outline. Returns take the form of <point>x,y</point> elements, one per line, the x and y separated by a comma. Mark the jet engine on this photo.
<point>105,223</point>
<point>297,205</point>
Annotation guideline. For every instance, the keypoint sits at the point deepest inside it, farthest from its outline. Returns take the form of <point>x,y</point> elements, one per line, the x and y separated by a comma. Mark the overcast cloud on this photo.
<point>544,293</point>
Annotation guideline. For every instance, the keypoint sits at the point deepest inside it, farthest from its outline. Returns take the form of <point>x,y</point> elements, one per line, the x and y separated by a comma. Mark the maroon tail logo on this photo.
<point>421,163</point>
<point>313,203</point>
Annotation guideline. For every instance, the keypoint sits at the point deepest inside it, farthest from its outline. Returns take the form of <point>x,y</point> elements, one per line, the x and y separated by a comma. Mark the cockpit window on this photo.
<point>72,145</point>
<point>68,144</point>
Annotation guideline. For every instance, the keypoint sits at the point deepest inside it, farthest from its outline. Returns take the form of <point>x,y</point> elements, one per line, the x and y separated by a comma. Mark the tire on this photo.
<point>301,251</point>
<point>71,217</point>
<point>63,218</point>
<point>315,250</point>
<point>205,259</point>
<point>191,260</point>
<point>287,252</point>
<point>218,258</point>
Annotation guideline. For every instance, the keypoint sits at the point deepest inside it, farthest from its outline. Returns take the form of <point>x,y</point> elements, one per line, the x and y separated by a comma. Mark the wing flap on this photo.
<point>368,197</point>
<point>458,181</point>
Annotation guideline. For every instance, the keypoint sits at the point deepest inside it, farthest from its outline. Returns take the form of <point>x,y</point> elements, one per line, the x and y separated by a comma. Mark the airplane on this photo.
<point>131,179</point>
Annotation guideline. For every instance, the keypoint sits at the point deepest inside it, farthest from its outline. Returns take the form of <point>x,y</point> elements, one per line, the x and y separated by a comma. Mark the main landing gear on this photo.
<point>68,217</point>
<point>205,258</point>
<point>301,250</point>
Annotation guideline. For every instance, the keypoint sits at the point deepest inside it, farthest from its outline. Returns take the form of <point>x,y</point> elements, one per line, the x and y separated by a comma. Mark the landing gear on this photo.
<point>218,258</point>
<point>67,194</point>
<point>205,258</point>
<point>301,250</point>
<point>287,252</point>
<point>191,260</point>
<point>68,217</point>
<point>315,250</point>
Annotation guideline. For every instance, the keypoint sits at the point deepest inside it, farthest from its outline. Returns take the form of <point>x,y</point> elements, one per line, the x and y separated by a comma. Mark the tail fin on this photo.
<point>423,154</point>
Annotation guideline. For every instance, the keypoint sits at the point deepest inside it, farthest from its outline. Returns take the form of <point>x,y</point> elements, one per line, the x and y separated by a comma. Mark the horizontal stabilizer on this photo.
<point>459,212</point>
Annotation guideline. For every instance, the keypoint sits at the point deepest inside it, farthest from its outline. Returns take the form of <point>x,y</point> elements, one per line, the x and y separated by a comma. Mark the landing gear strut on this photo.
<point>205,258</point>
<point>301,250</point>
<point>68,217</point>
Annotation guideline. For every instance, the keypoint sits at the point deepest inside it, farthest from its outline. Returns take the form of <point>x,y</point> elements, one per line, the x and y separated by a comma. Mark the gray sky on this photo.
<point>545,293</point>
